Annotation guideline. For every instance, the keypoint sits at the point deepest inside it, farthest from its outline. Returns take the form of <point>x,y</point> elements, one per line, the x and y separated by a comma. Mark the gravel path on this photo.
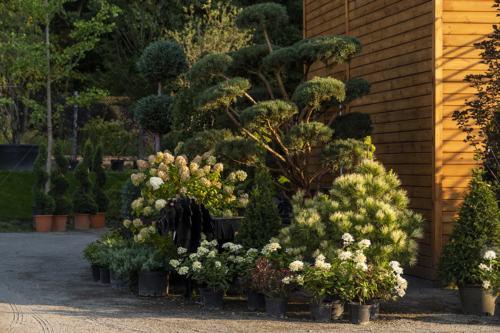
<point>46,286</point>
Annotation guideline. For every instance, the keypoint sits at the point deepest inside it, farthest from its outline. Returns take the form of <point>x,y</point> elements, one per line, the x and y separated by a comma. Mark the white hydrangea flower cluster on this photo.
<point>174,263</point>
<point>167,158</point>
<point>347,238</point>
<point>296,266</point>
<point>183,270</point>
<point>156,182</point>
<point>251,251</point>
<point>320,263</point>
<point>197,266</point>
<point>205,182</point>
<point>488,255</point>
<point>160,204</point>
<point>401,284</point>
<point>227,214</point>
<point>286,280</point>
<point>137,204</point>
<point>219,167</point>
<point>181,250</point>
<point>270,248</point>
<point>241,175</point>
<point>232,247</point>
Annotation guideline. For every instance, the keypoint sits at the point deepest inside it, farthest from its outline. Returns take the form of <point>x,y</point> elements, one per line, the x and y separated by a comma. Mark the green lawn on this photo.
<point>15,193</point>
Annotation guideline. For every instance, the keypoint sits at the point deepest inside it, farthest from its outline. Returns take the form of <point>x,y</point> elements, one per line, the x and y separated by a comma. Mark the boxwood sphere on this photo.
<point>162,61</point>
<point>152,113</point>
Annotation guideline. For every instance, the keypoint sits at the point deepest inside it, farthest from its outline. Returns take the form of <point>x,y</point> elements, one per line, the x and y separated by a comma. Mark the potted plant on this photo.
<point>113,135</point>
<point>60,190</point>
<point>491,274</point>
<point>479,220</point>
<point>90,254</point>
<point>273,279</point>
<point>243,264</point>
<point>98,195</point>
<point>83,205</point>
<point>44,202</point>
<point>209,267</point>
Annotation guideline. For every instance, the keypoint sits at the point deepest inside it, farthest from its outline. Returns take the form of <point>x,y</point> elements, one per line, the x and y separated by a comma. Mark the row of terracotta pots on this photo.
<point>46,223</point>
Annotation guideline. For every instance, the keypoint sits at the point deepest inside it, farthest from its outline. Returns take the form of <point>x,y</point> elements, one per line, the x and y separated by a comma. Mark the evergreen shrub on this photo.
<point>262,220</point>
<point>98,195</point>
<point>475,230</point>
<point>130,192</point>
<point>44,203</point>
<point>60,184</point>
<point>82,202</point>
<point>152,113</point>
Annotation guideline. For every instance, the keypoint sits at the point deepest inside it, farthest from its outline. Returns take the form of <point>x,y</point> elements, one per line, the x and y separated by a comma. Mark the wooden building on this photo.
<point>415,54</point>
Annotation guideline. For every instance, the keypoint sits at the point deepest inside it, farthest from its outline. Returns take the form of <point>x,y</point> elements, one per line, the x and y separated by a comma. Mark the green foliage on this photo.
<point>209,66</point>
<point>221,95</point>
<point>112,134</point>
<point>475,230</point>
<point>82,202</point>
<point>237,148</point>
<point>354,125</point>
<point>172,139</point>
<point>44,203</point>
<point>203,142</point>
<point>368,204</point>
<point>130,192</point>
<point>100,198</point>
<point>60,189</point>
<point>153,113</point>
<point>275,112</point>
<point>262,220</point>
<point>355,88</point>
<point>90,253</point>
<point>319,90</point>
<point>341,154</point>
<point>250,57</point>
<point>262,16</point>
<point>306,134</point>
<point>329,49</point>
<point>114,211</point>
<point>162,61</point>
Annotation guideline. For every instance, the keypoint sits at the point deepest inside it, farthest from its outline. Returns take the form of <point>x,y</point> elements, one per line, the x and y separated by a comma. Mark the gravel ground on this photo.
<point>46,287</point>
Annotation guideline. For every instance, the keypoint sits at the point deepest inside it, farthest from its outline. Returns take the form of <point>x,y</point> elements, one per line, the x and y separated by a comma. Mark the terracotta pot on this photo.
<point>82,221</point>
<point>43,223</point>
<point>59,222</point>
<point>97,221</point>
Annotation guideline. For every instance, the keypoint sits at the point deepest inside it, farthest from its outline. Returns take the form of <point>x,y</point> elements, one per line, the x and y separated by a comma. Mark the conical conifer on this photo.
<point>82,202</point>
<point>44,203</point>
<point>100,198</point>
<point>60,184</point>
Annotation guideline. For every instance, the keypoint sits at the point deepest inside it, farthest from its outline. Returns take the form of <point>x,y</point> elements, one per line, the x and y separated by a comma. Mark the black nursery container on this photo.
<point>105,278</point>
<point>115,280</point>
<point>276,307</point>
<point>213,300</point>
<point>153,283</point>
<point>321,312</point>
<point>256,301</point>
<point>96,273</point>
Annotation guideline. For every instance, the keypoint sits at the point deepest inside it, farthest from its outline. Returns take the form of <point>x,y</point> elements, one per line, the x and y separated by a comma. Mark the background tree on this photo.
<point>100,198</point>
<point>44,203</point>
<point>61,185</point>
<point>161,62</point>
<point>262,220</point>
<point>82,201</point>
<point>292,123</point>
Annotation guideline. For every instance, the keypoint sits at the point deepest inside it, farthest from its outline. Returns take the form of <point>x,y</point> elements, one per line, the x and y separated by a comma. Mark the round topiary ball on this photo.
<point>162,61</point>
<point>152,113</point>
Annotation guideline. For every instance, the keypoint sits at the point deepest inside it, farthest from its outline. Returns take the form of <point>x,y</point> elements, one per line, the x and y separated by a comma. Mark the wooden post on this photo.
<point>437,115</point>
<point>347,65</point>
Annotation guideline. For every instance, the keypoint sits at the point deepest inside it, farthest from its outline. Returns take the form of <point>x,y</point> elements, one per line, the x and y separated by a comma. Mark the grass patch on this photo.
<point>16,225</point>
<point>15,193</point>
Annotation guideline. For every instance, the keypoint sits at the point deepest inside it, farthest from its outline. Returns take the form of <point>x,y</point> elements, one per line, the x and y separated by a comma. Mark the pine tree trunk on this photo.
<point>49,105</point>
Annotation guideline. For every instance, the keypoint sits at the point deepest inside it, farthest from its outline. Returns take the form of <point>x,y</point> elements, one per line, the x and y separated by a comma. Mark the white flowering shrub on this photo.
<point>349,275</point>
<point>164,177</point>
<point>367,204</point>
<point>490,271</point>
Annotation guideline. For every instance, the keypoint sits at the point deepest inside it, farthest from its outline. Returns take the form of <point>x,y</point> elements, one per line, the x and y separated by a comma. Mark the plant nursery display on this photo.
<point>83,204</point>
<point>289,119</point>
<point>98,195</point>
<point>59,190</point>
<point>367,203</point>
<point>476,230</point>
<point>165,177</point>
<point>44,202</point>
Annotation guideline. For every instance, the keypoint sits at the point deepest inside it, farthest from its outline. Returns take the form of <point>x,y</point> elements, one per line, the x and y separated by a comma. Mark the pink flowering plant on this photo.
<point>490,272</point>
<point>164,177</point>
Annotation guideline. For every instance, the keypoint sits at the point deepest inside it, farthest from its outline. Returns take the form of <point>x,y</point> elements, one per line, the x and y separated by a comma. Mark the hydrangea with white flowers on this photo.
<point>490,271</point>
<point>166,177</point>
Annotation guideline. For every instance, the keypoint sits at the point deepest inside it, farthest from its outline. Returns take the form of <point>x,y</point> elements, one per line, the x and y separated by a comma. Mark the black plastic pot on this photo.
<point>374,310</point>
<point>96,273</point>
<point>115,280</point>
<point>20,157</point>
<point>276,307</point>
<point>105,278</point>
<point>359,313</point>
<point>117,165</point>
<point>256,301</point>
<point>213,300</point>
<point>202,290</point>
<point>321,312</point>
<point>476,301</point>
<point>153,283</point>
<point>338,309</point>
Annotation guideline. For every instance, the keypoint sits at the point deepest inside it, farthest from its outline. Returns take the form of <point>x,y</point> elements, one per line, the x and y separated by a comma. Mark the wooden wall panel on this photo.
<point>464,23</point>
<point>397,59</point>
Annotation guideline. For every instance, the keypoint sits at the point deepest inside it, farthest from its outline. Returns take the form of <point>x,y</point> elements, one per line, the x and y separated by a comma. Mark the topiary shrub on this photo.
<point>44,202</point>
<point>475,230</point>
<point>114,194</point>
<point>368,204</point>
<point>82,202</point>
<point>100,198</point>
<point>152,113</point>
<point>262,219</point>
<point>60,184</point>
